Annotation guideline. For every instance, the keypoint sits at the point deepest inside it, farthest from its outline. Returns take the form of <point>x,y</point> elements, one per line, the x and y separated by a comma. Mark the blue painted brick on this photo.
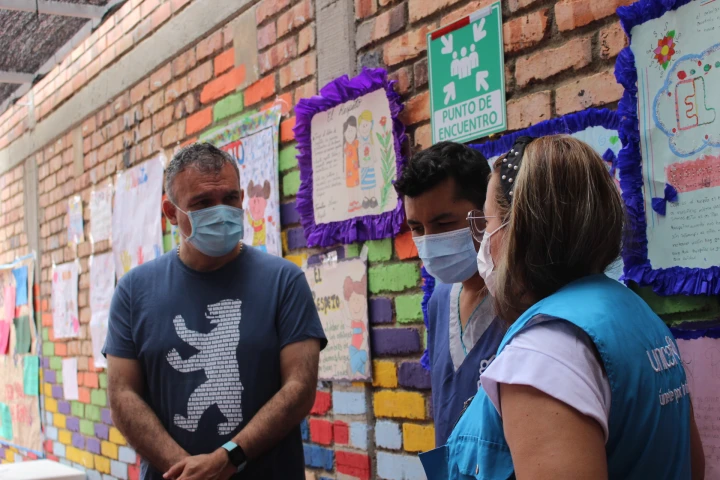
<point>106,416</point>
<point>102,431</point>
<point>57,391</point>
<point>318,457</point>
<point>64,407</point>
<point>93,445</point>
<point>320,257</point>
<point>46,362</point>
<point>288,214</point>
<point>296,238</point>
<point>304,430</point>
<point>394,341</point>
<point>58,449</point>
<point>78,441</point>
<point>72,424</point>
<point>49,376</point>
<point>413,375</point>
<point>348,403</point>
<point>380,311</point>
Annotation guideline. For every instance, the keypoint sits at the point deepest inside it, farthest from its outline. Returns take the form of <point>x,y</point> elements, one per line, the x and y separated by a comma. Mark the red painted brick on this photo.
<point>84,395</point>
<point>407,46</point>
<point>61,349</point>
<point>417,109</point>
<point>599,89</point>
<point>575,54</point>
<point>268,8</point>
<point>198,121</point>
<point>209,45</point>
<point>420,9</point>
<point>286,130</point>
<point>323,403</point>
<point>526,31</point>
<point>260,90</point>
<point>160,77</point>
<point>225,61</point>
<point>571,14</point>
<point>529,110</point>
<point>365,8</point>
<point>223,85</point>
<point>184,62</point>
<point>266,36</point>
<point>133,472</point>
<point>320,431</point>
<point>341,432</point>
<point>612,40</point>
<point>90,380</point>
<point>306,39</point>
<point>298,70</point>
<point>284,101</point>
<point>294,18</point>
<point>404,244</point>
<point>355,464</point>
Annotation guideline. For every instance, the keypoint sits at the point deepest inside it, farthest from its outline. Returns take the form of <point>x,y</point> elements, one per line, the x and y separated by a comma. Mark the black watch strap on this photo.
<point>236,455</point>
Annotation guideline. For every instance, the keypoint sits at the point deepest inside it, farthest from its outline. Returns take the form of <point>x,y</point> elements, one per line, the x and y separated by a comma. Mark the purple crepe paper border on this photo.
<point>664,281</point>
<point>358,229</point>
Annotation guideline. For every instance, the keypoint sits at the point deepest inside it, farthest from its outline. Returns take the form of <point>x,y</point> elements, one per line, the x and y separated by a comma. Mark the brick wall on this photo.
<point>559,59</point>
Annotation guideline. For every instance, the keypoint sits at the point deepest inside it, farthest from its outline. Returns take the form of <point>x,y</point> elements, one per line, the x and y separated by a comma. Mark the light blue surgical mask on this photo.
<point>449,257</point>
<point>215,230</point>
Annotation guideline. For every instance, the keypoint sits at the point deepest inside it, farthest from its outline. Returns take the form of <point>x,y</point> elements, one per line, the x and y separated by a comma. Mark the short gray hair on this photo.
<point>204,157</point>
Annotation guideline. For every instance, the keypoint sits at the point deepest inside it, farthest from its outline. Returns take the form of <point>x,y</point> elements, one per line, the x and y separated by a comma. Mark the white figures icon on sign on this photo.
<point>481,81</point>
<point>474,58</point>
<point>447,41</point>
<point>449,90</point>
<point>479,30</point>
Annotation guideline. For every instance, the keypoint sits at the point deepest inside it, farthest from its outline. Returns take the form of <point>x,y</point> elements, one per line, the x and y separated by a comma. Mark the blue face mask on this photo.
<point>449,257</point>
<point>215,230</point>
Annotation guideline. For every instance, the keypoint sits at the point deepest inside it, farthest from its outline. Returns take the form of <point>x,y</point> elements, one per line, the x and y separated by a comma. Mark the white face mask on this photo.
<point>485,264</point>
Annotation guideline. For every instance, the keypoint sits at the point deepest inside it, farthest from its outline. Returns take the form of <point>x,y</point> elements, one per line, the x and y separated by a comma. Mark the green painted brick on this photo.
<point>352,250</point>
<point>103,380</point>
<point>48,349</point>
<point>425,339</point>
<point>393,278</point>
<point>291,183</point>
<point>228,106</point>
<point>78,409</point>
<point>408,308</point>
<point>92,413</point>
<point>379,250</point>
<point>287,158</point>
<point>87,427</point>
<point>45,334</point>
<point>98,397</point>
<point>59,379</point>
<point>55,362</point>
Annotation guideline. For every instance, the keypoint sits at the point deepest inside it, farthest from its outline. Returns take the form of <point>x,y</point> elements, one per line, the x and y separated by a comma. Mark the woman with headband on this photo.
<point>588,382</point>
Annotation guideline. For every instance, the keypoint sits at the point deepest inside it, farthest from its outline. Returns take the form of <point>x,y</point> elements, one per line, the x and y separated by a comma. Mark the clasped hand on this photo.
<point>212,466</point>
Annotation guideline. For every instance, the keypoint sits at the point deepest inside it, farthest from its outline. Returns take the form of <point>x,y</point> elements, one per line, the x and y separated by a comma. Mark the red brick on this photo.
<point>178,4</point>
<point>160,77</point>
<point>323,403</point>
<point>417,109</point>
<point>140,91</point>
<point>341,433</point>
<point>286,130</point>
<point>163,118</point>
<point>161,15</point>
<point>173,134</point>
<point>365,8</point>
<point>420,9</point>
<point>150,106</point>
<point>224,62</point>
<point>147,7</point>
<point>266,36</point>
<point>305,91</point>
<point>402,77</point>
<point>407,46</point>
<point>354,464</point>
<point>184,62</point>
<point>612,40</point>
<point>198,121</point>
<point>131,20</point>
<point>525,31</point>
<point>296,17</point>
<point>575,54</point>
<point>571,14</point>
<point>268,8</point>
<point>462,12</point>
<point>284,101</point>
<point>306,39</point>
<point>176,89</point>
<point>200,75</point>
<point>599,89</point>
<point>382,26</point>
<point>529,110</point>
<point>260,90</point>
<point>223,85</point>
<point>209,45</point>
<point>320,431</point>
<point>278,55</point>
<point>298,70</point>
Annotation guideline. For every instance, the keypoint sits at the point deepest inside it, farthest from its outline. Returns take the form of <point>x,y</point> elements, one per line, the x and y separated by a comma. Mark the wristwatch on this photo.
<point>236,455</point>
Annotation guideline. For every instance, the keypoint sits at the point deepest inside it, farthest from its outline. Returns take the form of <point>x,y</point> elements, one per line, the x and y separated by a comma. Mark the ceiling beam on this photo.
<point>16,77</point>
<point>65,9</point>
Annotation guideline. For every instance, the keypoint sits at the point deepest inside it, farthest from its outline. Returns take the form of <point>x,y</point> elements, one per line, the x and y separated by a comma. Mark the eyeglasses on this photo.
<point>478,223</point>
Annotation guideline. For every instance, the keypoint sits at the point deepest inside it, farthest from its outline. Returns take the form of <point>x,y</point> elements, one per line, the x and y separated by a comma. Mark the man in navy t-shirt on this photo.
<point>213,348</point>
<point>441,186</point>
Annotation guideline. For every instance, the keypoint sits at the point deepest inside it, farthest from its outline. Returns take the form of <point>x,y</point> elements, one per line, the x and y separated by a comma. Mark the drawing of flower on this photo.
<point>665,49</point>
<point>367,151</point>
<point>383,120</point>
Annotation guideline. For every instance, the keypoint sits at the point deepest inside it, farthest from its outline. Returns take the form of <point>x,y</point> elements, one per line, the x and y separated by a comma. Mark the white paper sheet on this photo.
<point>70,380</point>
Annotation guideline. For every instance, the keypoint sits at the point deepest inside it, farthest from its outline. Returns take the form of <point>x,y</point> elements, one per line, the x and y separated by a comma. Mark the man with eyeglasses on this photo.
<point>444,189</point>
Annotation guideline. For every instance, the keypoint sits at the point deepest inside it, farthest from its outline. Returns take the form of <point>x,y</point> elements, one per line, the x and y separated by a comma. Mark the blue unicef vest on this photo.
<point>649,433</point>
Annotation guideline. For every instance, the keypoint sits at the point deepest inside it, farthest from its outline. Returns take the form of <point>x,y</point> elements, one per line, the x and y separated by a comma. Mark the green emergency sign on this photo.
<point>466,67</point>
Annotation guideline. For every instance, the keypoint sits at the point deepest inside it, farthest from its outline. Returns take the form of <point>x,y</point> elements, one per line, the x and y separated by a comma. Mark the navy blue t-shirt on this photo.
<point>209,344</point>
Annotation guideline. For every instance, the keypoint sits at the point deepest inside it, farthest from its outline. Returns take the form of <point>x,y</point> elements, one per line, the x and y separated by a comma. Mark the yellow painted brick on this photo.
<point>298,260</point>
<point>116,436</point>
<point>51,405</point>
<point>102,464</point>
<point>409,405</point>
<point>109,450</point>
<point>65,438</point>
<point>86,459</point>
<point>59,420</point>
<point>9,456</point>
<point>72,454</point>
<point>384,374</point>
<point>47,390</point>
<point>357,384</point>
<point>418,438</point>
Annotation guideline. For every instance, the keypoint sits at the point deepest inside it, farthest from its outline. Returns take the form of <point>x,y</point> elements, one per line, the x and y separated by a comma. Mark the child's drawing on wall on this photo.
<point>355,294</point>
<point>258,196</point>
<point>368,180</point>
<point>352,163</point>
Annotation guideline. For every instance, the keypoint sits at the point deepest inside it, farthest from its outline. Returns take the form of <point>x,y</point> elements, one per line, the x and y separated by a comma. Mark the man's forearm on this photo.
<point>276,419</point>
<point>143,430</point>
